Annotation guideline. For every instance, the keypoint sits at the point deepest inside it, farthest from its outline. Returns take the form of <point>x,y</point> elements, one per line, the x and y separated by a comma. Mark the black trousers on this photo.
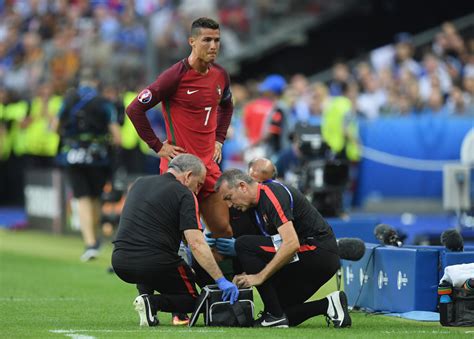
<point>176,286</point>
<point>288,289</point>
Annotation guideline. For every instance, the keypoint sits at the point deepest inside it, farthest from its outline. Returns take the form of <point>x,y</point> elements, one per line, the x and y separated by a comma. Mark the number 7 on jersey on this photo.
<point>208,110</point>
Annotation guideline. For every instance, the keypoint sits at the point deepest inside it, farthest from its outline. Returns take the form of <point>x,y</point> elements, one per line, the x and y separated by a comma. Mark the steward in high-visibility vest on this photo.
<point>4,145</point>
<point>130,137</point>
<point>40,139</point>
<point>339,128</point>
<point>13,115</point>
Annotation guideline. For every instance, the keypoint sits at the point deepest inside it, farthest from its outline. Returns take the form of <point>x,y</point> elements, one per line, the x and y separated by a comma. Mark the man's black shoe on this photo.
<point>269,320</point>
<point>143,307</point>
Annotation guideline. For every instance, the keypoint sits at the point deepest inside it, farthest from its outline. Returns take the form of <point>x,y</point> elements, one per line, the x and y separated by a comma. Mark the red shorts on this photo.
<point>213,173</point>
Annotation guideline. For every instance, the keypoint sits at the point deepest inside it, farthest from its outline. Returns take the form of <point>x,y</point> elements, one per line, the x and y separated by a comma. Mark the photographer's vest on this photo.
<point>84,130</point>
<point>130,137</point>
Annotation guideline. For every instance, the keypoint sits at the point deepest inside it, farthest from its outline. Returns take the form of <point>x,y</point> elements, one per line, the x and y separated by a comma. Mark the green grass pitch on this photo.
<point>46,292</point>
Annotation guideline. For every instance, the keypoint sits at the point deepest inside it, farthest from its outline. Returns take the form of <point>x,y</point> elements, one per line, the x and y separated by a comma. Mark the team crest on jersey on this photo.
<point>219,91</point>
<point>265,219</point>
<point>145,96</point>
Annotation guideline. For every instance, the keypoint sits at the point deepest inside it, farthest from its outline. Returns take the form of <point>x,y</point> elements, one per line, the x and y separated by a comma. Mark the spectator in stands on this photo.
<point>392,105</point>
<point>435,103</point>
<point>130,45</point>
<point>411,91</point>
<point>433,68</point>
<point>372,98</point>
<point>404,105</point>
<point>340,75</point>
<point>458,102</point>
<point>468,83</point>
<point>236,140</point>
<point>63,59</point>
<point>33,61</point>
<point>319,101</point>
<point>265,118</point>
<point>363,73</point>
<point>300,108</point>
<point>403,58</point>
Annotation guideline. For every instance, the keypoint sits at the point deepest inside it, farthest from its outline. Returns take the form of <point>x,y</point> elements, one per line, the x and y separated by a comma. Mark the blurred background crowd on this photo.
<point>44,45</point>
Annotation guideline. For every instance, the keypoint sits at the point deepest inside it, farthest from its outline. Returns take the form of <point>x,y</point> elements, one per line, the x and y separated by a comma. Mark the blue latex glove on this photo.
<point>231,292</point>
<point>226,246</point>
<point>210,241</point>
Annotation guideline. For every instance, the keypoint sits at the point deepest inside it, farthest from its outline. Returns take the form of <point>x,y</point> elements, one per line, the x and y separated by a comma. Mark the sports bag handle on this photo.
<point>200,302</point>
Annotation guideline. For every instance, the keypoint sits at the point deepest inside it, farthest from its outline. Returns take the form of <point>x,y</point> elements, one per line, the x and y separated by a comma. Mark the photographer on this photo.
<point>87,123</point>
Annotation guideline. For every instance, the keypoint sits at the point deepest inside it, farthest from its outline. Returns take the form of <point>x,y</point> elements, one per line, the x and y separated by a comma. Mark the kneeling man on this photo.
<point>297,257</point>
<point>158,212</point>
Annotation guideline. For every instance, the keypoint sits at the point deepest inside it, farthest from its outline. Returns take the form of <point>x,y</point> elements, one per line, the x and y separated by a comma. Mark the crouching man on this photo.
<point>289,270</point>
<point>158,212</point>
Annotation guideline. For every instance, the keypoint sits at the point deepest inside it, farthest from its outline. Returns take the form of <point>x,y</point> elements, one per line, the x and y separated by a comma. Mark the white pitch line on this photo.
<point>79,336</point>
<point>138,330</point>
<point>38,299</point>
<point>418,331</point>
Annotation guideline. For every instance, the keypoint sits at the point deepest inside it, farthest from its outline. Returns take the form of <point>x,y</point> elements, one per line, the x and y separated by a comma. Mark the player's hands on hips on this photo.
<point>169,151</point>
<point>248,280</point>
<point>231,292</point>
<point>226,246</point>
<point>217,157</point>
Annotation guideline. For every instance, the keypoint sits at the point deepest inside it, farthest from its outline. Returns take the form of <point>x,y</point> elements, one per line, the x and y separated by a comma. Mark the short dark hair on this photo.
<point>203,23</point>
<point>233,177</point>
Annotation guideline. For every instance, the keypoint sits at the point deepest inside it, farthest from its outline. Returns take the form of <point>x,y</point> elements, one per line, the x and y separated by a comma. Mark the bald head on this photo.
<point>262,169</point>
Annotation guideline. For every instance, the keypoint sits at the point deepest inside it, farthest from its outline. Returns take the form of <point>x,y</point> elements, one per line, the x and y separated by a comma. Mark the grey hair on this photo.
<point>187,162</point>
<point>233,177</point>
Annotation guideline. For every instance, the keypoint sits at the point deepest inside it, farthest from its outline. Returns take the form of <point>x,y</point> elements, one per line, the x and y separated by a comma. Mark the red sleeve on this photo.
<point>163,87</point>
<point>189,213</point>
<point>224,111</point>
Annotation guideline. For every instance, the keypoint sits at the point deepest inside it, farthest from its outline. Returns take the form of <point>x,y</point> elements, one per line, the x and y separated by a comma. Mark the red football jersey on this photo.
<point>197,109</point>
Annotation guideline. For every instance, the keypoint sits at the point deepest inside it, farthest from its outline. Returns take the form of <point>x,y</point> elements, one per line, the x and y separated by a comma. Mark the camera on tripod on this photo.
<point>323,176</point>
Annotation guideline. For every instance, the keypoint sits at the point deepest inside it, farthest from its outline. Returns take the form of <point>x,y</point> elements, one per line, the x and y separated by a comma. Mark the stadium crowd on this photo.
<point>45,44</point>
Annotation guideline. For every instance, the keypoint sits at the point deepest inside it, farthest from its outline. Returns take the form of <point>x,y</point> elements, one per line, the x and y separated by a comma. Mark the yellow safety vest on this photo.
<point>333,125</point>
<point>40,140</point>
<point>5,146</point>
<point>16,112</point>
<point>130,137</point>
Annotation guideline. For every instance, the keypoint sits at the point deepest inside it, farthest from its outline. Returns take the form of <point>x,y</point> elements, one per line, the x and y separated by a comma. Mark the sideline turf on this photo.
<point>45,291</point>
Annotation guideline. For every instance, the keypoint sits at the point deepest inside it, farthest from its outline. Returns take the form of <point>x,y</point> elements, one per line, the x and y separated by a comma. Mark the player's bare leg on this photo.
<point>215,213</point>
